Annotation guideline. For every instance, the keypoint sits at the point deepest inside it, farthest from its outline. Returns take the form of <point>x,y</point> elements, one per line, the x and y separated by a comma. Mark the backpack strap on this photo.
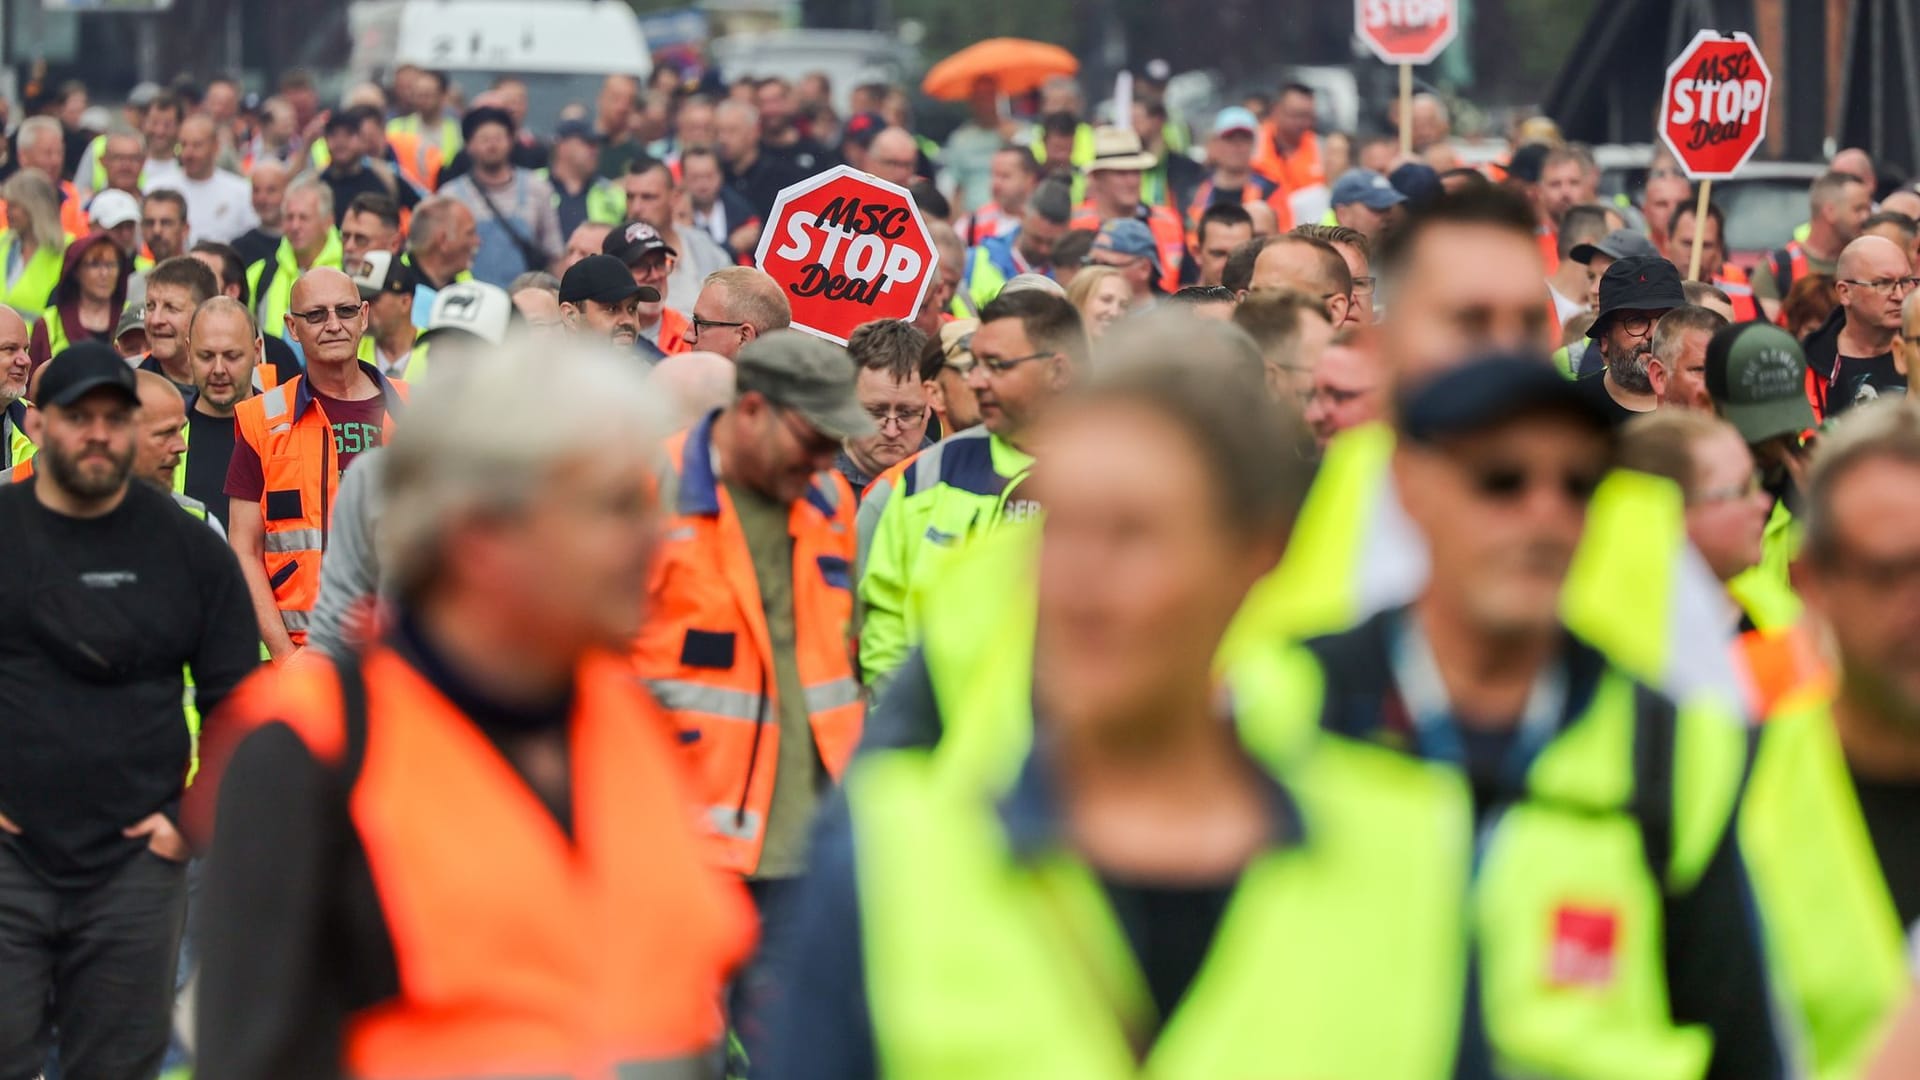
<point>353,714</point>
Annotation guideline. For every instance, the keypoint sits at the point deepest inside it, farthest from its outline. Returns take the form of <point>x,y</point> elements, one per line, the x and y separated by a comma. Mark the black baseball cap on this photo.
<point>861,128</point>
<point>1637,283</point>
<point>480,117</point>
<point>578,129</point>
<point>634,241</point>
<point>602,279</point>
<point>1490,391</point>
<point>1527,162</point>
<point>81,369</point>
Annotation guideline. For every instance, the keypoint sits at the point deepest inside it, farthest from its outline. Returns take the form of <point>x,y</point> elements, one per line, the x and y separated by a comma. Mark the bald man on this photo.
<point>1852,355</point>
<point>219,203</point>
<point>693,384</point>
<point>1857,162</point>
<point>17,440</point>
<point>295,440</point>
<point>894,156</point>
<point>1310,266</point>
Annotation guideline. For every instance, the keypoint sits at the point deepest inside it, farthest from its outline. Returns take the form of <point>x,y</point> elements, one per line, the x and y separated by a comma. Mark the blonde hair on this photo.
<point>753,298</point>
<point>446,464</point>
<point>1086,283</point>
<point>35,194</point>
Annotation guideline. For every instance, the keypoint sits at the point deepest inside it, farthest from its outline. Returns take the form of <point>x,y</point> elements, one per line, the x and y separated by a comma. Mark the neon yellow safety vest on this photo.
<point>416,369</point>
<point>1081,157</point>
<point>1832,930</point>
<point>982,964</point>
<point>98,148</point>
<point>281,270</point>
<point>606,203</point>
<point>19,447</point>
<point>29,292</point>
<point>1570,861</point>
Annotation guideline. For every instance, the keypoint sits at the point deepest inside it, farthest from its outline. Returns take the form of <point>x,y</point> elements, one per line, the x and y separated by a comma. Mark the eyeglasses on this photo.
<point>1363,284</point>
<point>1885,286</point>
<point>1633,322</point>
<point>699,325</point>
<point>1001,367</point>
<point>318,316</point>
<point>1511,483</point>
<point>900,418</point>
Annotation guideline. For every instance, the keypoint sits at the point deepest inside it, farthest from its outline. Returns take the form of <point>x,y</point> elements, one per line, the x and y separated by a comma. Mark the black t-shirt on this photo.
<point>1862,380</point>
<point>97,618</point>
<point>1892,811</point>
<point>256,244</point>
<point>1171,928</point>
<point>761,182</point>
<point>209,450</point>
<point>1595,388</point>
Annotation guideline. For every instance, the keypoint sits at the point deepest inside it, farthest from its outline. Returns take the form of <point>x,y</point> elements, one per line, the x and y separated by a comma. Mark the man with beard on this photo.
<point>16,443</point>
<point>889,388</point>
<point>998,259</point>
<point>223,348</point>
<point>599,298</point>
<point>1634,294</point>
<point>160,444</point>
<point>108,593</point>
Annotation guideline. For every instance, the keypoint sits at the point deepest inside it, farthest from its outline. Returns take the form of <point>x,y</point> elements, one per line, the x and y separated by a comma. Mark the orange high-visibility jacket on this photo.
<point>1169,236</point>
<point>706,654</point>
<point>1739,288</point>
<point>521,952</point>
<point>291,433</point>
<point>421,162</point>
<point>1299,169</point>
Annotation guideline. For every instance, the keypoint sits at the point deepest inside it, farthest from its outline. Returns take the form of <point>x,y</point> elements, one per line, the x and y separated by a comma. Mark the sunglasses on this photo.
<point>1511,483</point>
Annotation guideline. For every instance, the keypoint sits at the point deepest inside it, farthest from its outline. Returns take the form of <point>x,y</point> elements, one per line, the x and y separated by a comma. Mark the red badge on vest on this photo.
<point>1584,941</point>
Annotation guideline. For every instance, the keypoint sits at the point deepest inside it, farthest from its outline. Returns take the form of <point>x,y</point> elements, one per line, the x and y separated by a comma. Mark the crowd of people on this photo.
<point>1281,605</point>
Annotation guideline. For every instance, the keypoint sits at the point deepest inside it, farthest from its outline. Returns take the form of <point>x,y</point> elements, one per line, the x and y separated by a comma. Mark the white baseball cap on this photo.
<point>113,208</point>
<point>471,307</point>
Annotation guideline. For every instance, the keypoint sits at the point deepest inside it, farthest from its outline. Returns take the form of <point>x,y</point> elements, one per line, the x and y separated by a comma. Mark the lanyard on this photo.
<point>1417,674</point>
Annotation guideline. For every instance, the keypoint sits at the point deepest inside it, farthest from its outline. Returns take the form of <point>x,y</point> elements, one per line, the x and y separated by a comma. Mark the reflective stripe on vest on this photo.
<point>707,654</point>
<point>1044,983</point>
<point>1832,930</point>
<point>299,461</point>
<point>600,955</point>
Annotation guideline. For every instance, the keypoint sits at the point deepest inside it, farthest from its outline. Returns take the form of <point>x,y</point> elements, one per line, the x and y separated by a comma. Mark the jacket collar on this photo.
<point>330,253</point>
<point>303,392</point>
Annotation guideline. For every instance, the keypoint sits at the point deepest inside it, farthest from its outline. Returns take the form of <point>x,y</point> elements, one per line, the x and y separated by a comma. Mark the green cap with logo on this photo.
<point>1757,377</point>
<point>809,375</point>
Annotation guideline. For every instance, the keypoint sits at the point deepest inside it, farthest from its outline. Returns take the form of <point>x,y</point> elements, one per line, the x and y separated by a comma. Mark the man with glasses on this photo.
<point>1357,249</point>
<point>651,260</point>
<point>749,607</point>
<point>1604,826</point>
<point>1028,349</point>
<point>290,446</point>
<point>889,387</point>
<point>1852,355</point>
<point>736,306</point>
<point>1310,266</point>
<point>1634,293</point>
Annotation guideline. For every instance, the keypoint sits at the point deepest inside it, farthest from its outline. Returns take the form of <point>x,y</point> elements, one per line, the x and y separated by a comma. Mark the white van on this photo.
<point>561,49</point>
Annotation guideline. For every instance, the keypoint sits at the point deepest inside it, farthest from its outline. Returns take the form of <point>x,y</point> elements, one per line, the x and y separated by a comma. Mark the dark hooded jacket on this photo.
<point>64,303</point>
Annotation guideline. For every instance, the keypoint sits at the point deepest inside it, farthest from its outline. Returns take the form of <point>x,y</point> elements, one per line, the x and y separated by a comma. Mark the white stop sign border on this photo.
<point>819,180</point>
<point>1431,53</point>
<point>1677,69</point>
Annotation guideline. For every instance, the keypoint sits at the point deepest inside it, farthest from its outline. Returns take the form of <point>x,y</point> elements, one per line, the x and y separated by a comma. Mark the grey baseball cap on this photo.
<point>1618,244</point>
<point>813,377</point>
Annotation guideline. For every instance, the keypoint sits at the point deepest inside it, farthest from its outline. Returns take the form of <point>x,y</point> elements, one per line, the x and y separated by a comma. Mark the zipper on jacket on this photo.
<point>753,756</point>
<point>326,469</point>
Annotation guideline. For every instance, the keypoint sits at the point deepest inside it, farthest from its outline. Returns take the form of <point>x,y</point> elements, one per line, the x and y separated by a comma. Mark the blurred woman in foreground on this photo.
<point>1174,876</point>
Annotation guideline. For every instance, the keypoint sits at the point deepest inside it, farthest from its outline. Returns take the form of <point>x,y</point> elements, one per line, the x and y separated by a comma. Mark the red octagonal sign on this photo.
<point>848,248</point>
<point>1713,112</point>
<point>1406,31</point>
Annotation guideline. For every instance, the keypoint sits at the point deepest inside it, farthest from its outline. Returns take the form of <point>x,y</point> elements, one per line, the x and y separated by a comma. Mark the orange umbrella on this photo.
<point>1016,65</point>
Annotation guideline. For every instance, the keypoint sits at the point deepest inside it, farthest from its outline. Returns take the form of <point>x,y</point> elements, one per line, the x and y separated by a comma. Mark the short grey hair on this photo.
<point>1670,333</point>
<point>38,127</point>
<point>310,183</point>
<point>753,297</point>
<point>446,465</point>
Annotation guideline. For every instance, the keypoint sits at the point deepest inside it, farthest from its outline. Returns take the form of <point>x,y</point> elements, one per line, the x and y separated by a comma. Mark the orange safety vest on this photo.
<point>1292,171</point>
<point>421,161</point>
<point>1549,241</point>
<point>1169,236</point>
<point>73,211</point>
<point>1783,661</point>
<point>603,956</point>
<point>706,653</point>
<point>673,332</point>
<point>291,433</point>
<point>1739,288</point>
